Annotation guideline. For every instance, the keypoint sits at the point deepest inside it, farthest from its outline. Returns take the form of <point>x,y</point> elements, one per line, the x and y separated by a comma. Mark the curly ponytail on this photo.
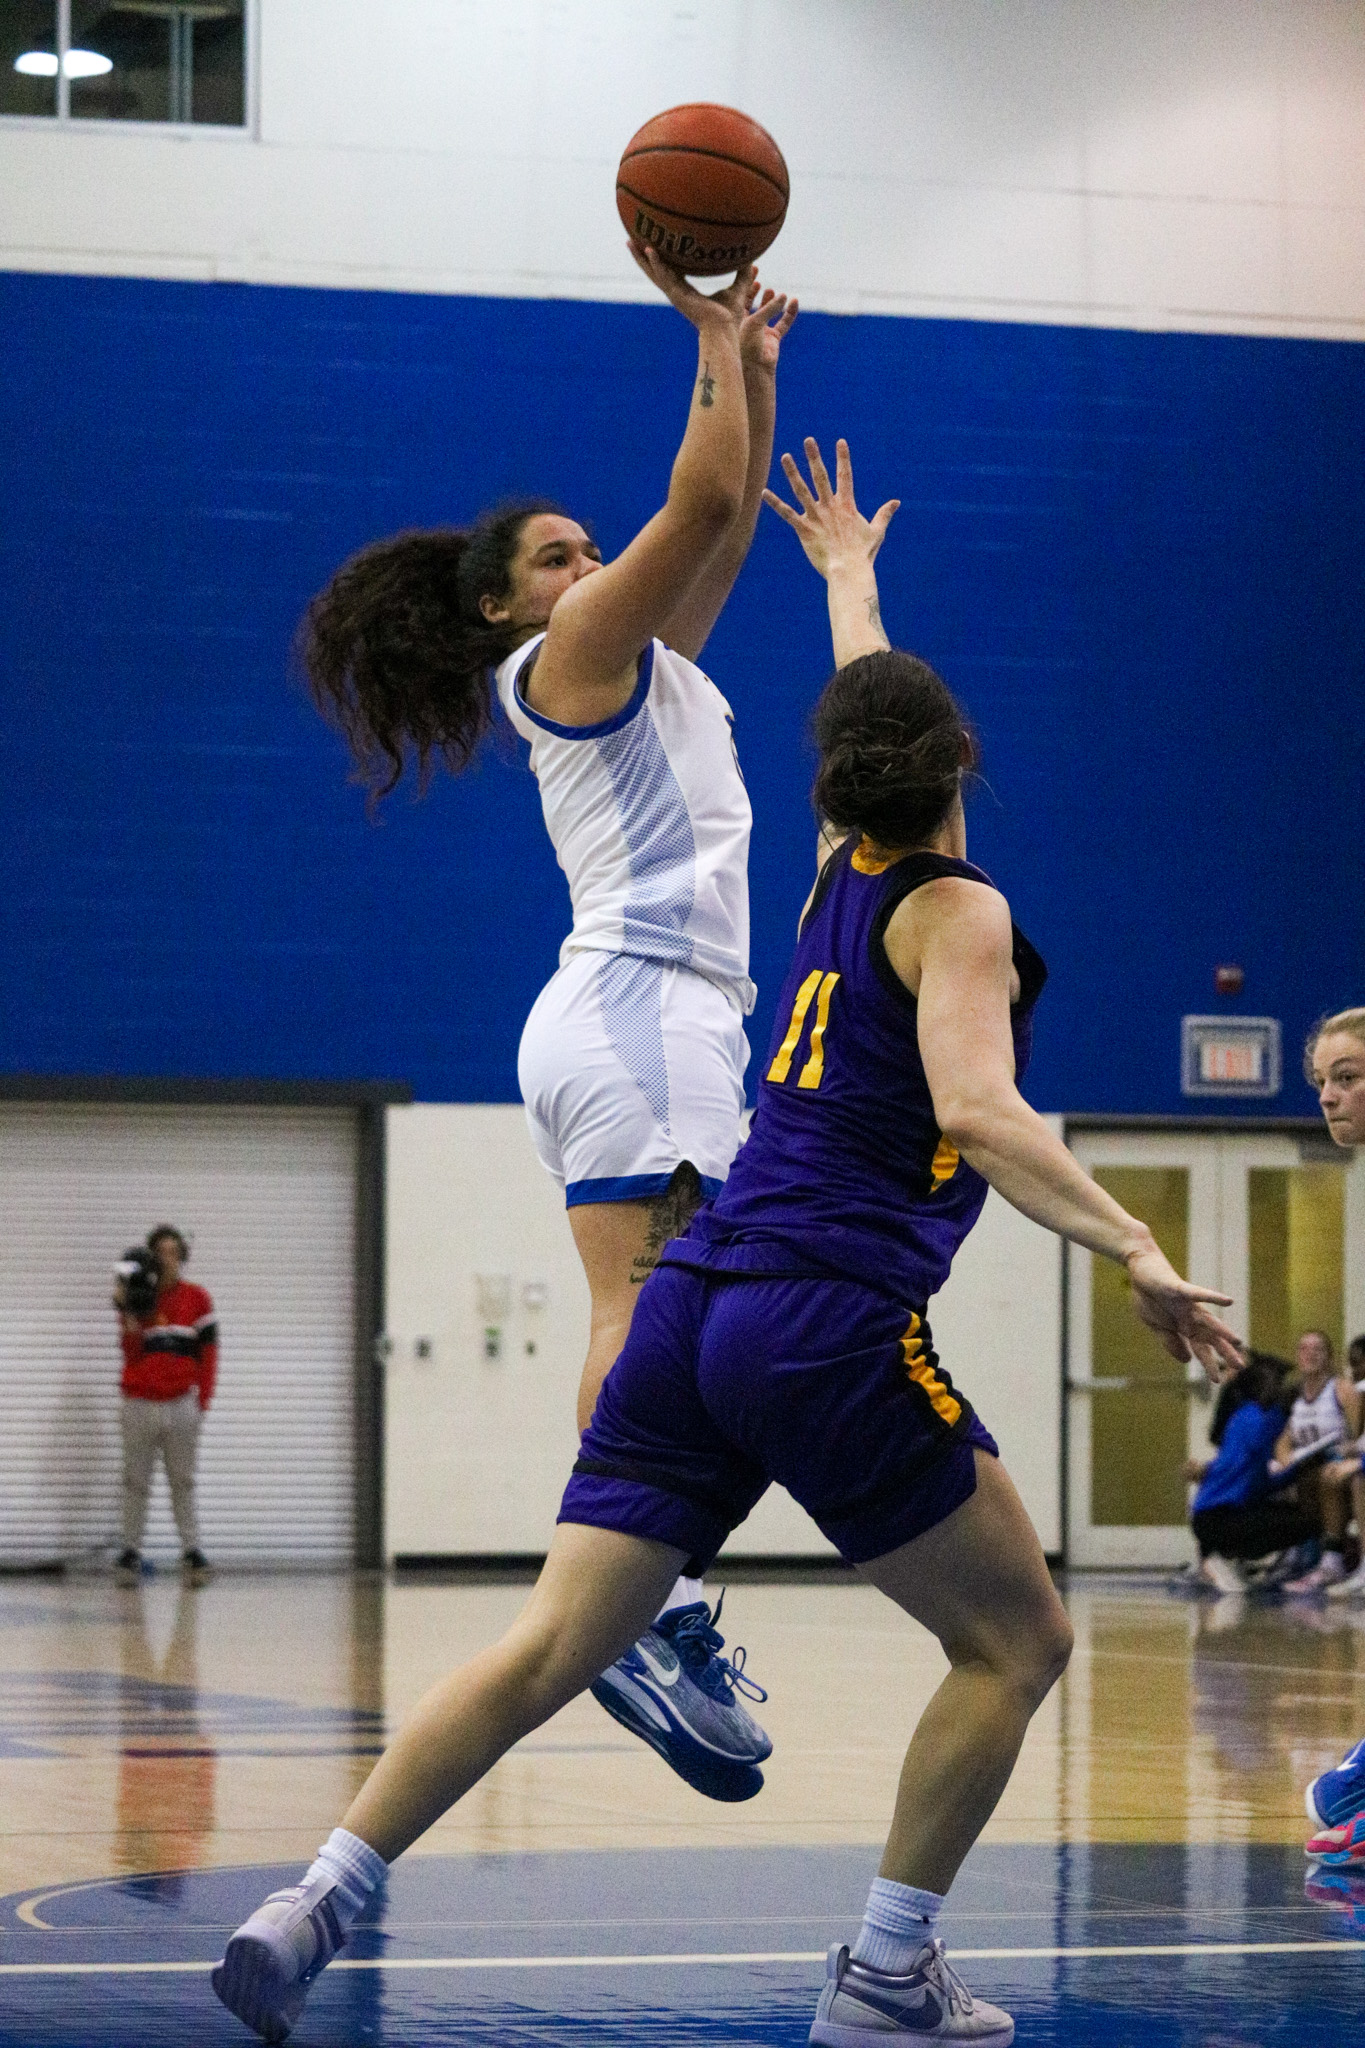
<point>397,652</point>
<point>893,744</point>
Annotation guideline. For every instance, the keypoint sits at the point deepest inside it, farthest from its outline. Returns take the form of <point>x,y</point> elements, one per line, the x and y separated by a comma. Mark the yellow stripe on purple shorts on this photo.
<point>943,1402</point>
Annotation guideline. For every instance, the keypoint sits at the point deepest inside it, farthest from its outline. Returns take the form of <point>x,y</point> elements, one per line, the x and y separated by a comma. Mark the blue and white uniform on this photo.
<point>633,1056</point>
<point>1318,1425</point>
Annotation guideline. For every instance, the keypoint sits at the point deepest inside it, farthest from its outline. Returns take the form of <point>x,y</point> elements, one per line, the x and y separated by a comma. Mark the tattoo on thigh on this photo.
<point>669,1215</point>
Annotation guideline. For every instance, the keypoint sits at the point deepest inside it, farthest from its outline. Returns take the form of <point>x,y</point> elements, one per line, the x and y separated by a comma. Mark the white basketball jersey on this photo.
<point>650,818</point>
<point>1319,1421</point>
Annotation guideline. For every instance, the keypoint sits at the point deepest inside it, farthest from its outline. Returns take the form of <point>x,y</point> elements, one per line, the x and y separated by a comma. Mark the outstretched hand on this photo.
<point>767,322</point>
<point>1177,1310</point>
<point>828,524</point>
<point>732,302</point>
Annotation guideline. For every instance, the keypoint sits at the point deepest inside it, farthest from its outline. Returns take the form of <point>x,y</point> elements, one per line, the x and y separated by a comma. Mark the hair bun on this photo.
<point>893,744</point>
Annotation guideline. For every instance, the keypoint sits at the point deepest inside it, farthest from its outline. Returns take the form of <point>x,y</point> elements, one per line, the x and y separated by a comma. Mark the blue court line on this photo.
<point>720,1957</point>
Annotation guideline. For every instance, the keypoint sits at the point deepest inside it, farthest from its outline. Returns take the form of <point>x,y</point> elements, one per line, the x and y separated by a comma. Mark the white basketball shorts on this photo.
<point>627,1068</point>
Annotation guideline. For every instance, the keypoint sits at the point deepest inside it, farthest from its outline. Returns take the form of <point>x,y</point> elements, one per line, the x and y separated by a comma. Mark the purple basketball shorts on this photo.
<point>728,1382</point>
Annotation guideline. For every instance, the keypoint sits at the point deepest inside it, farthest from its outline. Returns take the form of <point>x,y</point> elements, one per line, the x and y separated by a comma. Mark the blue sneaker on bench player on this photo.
<point>1340,1848</point>
<point>1339,1795</point>
<point>677,1693</point>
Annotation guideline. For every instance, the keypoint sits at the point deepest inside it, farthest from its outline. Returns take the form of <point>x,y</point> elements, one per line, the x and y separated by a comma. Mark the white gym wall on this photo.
<point>1195,164</point>
<point>479,1432</point>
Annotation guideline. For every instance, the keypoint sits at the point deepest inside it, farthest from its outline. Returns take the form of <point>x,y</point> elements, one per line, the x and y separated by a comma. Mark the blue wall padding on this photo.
<point>1137,557</point>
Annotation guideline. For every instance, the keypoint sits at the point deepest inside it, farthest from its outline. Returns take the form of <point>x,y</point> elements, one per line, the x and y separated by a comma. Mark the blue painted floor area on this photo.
<point>44,1713</point>
<point>613,1906</point>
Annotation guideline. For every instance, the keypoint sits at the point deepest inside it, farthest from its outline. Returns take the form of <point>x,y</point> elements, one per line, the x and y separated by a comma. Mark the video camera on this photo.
<point>141,1277</point>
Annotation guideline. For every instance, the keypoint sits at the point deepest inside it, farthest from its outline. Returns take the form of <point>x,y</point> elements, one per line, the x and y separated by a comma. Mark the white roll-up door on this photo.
<point>268,1199</point>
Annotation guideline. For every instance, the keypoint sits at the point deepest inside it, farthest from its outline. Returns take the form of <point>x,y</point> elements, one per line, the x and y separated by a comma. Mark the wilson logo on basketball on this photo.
<point>705,186</point>
<point>682,250</point>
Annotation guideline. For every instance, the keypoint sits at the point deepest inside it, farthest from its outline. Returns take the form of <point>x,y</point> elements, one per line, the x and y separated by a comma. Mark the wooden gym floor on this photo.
<point>166,1756</point>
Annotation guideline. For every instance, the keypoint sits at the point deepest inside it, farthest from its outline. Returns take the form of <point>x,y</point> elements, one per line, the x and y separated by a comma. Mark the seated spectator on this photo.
<point>1234,1516</point>
<point>1344,1477</point>
<point>1237,1389</point>
<point>1324,1424</point>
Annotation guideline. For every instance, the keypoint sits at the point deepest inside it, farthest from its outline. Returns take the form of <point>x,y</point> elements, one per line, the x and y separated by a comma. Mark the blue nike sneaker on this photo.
<point>865,2008</point>
<point>1340,1794</point>
<point>677,1693</point>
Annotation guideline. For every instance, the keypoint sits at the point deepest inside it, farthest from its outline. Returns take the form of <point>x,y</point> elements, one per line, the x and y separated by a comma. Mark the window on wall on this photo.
<point>181,61</point>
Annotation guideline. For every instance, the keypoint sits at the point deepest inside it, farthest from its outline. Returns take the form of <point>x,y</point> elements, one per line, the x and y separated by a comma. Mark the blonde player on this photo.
<point>1334,1061</point>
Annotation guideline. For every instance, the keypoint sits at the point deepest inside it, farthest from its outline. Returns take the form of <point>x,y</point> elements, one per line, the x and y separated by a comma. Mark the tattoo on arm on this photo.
<point>874,611</point>
<point>708,386</point>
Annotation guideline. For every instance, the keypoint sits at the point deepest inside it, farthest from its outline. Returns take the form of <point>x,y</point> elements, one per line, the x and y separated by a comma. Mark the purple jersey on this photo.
<point>845,1169</point>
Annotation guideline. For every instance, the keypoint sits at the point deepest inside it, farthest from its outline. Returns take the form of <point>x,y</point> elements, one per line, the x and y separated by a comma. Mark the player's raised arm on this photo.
<point>600,626</point>
<point>951,943</point>
<point>840,545</point>
<point>762,332</point>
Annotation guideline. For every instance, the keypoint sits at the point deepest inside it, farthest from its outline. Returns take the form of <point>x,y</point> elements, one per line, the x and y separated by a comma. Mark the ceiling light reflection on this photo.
<point>79,64</point>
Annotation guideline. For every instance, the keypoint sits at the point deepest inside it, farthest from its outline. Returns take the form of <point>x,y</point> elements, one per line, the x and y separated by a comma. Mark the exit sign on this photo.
<point>1229,1055</point>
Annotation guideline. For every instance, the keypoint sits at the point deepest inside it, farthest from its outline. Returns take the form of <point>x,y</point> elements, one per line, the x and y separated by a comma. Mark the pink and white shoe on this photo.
<point>1341,1848</point>
<point>1330,1570</point>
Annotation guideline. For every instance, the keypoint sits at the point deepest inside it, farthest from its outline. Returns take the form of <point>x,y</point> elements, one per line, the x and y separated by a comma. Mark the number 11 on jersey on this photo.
<point>817,988</point>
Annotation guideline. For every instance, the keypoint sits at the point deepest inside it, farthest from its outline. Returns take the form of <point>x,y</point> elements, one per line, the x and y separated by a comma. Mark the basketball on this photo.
<point>705,186</point>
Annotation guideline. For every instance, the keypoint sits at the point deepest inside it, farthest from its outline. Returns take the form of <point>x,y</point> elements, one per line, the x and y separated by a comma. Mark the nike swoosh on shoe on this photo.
<point>662,1673</point>
<point>913,2019</point>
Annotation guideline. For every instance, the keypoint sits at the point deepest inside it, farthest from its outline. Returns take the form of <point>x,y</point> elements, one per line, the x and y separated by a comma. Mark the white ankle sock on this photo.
<point>898,1921</point>
<point>686,1593</point>
<point>354,1868</point>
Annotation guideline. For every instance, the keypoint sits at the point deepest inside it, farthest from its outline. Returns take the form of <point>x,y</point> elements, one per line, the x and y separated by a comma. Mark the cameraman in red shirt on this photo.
<point>170,1363</point>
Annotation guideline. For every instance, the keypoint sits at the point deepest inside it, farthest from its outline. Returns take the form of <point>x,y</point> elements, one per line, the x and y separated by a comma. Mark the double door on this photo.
<point>1276,1222</point>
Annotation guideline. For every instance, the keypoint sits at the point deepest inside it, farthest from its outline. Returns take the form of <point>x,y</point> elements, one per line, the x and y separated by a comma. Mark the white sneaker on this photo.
<point>274,1956</point>
<point>1349,1589</point>
<point>1328,1571</point>
<point>1222,1574</point>
<point>865,2008</point>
